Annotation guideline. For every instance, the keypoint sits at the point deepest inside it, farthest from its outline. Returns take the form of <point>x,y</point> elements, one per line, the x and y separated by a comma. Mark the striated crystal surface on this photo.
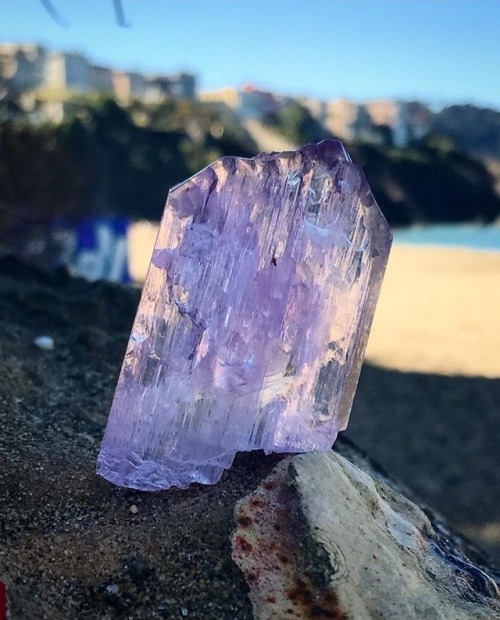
<point>253,320</point>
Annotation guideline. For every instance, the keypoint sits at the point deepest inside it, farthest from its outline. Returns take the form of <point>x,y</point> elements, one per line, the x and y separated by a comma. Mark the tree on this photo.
<point>475,130</point>
<point>297,124</point>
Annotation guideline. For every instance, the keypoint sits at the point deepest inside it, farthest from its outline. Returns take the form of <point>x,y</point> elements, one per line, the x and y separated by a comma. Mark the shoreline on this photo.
<point>439,246</point>
<point>476,237</point>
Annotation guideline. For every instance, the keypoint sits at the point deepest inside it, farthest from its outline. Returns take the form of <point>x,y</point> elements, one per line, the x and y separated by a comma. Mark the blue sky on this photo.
<point>440,51</point>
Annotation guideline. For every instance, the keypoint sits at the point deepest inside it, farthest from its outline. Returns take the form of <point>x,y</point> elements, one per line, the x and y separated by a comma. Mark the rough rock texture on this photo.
<point>253,320</point>
<point>320,538</point>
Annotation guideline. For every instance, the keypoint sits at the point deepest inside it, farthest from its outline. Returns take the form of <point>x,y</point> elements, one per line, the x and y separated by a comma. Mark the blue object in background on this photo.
<point>95,248</point>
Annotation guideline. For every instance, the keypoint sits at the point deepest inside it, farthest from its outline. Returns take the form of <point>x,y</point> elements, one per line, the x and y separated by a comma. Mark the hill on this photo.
<point>109,159</point>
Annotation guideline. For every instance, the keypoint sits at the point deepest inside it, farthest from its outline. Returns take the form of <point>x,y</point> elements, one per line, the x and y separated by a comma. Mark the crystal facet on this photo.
<point>253,320</point>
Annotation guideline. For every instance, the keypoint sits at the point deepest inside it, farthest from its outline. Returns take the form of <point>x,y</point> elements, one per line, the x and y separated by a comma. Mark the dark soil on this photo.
<point>73,545</point>
<point>440,435</point>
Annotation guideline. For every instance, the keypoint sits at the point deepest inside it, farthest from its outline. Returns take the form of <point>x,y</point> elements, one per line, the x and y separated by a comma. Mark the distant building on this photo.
<point>183,85</point>
<point>418,118</point>
<point>154,89</point>
<point>101,79</point>
<point>129,85</point>
<point>25,68</point>
<point>374,121</point>
<point>256,104</point>
<point>347,120</point>
<point>179,86</point>
<point>22,66</point>
<point>42,81</point>
<point>407,120</point>
<point>229,96</point>
<point>157,89</point>
<point>67,71</point>
<point>383,112</point>
<point>249,103</point>
<point>318,109</point>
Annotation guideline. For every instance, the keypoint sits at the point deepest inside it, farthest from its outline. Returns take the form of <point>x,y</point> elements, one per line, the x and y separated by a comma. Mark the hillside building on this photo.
<point>67,71</point>
<point>101,79</point>
<point>31,72</point>
<point>22,67</point>
<point>317,109</point>
<point>249,103</point>
<point>128,85</point>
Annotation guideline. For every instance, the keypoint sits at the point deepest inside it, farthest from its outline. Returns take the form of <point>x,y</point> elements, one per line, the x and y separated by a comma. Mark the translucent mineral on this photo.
<point>253,320</point>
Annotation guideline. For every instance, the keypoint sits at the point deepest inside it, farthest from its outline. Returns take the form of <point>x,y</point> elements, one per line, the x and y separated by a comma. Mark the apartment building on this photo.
<point>25,68</point>
<point>342,118</point>
<point>67,71</point>
<point>22,67</point>
<point>249,103</point>
<point>318,109</point>
<point>101,80</point>
<point>182,85</point>
<point>407,120</point>
<point>228,96</point>
<point>179,86</point>
<point>129,85</point>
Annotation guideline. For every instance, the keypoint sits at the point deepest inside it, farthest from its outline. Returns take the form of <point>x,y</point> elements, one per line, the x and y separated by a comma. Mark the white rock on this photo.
<point>320,538</point>
<point>44,342</point>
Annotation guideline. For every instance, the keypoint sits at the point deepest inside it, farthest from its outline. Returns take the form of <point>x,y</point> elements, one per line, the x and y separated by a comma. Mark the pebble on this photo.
<point>133,509</point>
<point>44,342</point>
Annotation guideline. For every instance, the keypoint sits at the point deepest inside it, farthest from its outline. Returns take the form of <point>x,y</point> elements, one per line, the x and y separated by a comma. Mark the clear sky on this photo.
<point>440,51</point>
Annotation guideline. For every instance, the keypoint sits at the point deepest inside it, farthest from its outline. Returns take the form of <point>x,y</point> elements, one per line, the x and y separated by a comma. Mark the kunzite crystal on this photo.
<point>253,320</point>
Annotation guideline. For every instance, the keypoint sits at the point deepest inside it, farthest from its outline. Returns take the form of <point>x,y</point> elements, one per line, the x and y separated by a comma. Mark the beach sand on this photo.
<point>439,312</point>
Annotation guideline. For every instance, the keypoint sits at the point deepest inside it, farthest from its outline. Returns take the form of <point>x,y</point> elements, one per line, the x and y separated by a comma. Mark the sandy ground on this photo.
<point>439,312</point>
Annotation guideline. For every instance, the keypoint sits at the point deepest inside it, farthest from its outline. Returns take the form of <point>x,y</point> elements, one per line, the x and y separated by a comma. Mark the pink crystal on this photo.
<point>253,320</point>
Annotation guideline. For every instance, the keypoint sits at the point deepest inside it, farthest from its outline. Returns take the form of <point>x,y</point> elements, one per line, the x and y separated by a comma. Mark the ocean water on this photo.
<point>458,236</point>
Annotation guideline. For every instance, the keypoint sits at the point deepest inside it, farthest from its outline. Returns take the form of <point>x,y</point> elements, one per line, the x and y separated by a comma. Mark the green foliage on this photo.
<point>109,159</point>
<point>428,183</point>
<point>472,129</point>
<point>296,123</point>
<point>101,160</point>
<point>438,142</point>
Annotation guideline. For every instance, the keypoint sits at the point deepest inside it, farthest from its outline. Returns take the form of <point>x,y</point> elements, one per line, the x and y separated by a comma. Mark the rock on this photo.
<point>44,342</point>
<point>321,538</point>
